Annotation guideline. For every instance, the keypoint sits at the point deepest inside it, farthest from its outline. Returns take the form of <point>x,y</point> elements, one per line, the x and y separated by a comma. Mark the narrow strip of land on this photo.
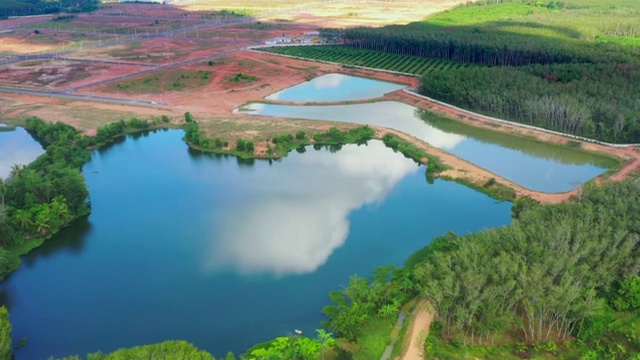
<point>420,323</point>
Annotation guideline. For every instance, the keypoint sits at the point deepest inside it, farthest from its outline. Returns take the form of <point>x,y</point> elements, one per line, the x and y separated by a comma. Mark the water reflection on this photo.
<point>532,164</point>
<point>336,87</point>
<point>70,240</point>
<point>17,147</point>
<point>384,113</point>
<point>296,224</point>
<point>153,231</point>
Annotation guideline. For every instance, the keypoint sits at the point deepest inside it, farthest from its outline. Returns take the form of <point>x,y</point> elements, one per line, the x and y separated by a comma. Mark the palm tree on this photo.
<point>24,219</point>
<point>42,221</point>
<point>16,170</point>
<point>59,207</point>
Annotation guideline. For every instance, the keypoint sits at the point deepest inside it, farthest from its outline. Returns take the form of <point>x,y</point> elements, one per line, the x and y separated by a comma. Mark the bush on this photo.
<point>628,294</point>
<point>489,183</point>
<point>240,144</point>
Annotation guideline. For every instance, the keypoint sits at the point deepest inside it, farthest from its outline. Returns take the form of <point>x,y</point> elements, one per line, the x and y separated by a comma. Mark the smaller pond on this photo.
<point>336,87</point>
<point>532,164</point>
<point>16,147</point>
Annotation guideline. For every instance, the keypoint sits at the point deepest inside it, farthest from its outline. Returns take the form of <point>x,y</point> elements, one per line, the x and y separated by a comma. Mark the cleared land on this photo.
<point>59,74</point>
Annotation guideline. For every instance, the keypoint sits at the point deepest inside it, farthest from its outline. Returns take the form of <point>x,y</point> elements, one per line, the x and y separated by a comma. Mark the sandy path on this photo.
<point>422,319</point>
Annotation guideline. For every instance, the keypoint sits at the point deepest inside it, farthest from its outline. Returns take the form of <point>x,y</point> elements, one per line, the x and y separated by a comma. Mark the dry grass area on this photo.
<point>58,74</point>
<point>84,116</point>
<point>368,13</point>
<point>253,32</point>
<point>260,129</point>
<point>338,14</point>
<point>30,43</point>
<point>155,51</point>
<point>252,7</point>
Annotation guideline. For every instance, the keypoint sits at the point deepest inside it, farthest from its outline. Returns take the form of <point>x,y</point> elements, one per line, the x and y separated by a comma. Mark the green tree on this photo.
<point>241,144</point>
<point>24,220</point>
<point>5,335</point>
<point>628,294</point>
<point>326,340</point>
<point>16,170</point>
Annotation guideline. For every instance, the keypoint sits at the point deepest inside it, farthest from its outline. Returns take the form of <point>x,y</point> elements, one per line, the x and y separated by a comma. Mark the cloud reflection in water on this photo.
<point>391,114</point>
<point>299,219</point>
<point>17,147</point>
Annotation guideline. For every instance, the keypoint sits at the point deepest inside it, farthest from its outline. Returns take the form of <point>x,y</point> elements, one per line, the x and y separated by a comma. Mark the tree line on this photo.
<point>37,7</point>
<point>593,100</point>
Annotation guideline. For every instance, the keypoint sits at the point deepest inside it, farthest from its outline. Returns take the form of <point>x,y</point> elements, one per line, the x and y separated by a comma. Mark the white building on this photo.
<point>284,39</point>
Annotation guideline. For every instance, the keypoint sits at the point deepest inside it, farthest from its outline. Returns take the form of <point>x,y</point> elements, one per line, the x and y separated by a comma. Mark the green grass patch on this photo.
<point>241,78</point>
<point>374,339</point>
<point>171,81</point>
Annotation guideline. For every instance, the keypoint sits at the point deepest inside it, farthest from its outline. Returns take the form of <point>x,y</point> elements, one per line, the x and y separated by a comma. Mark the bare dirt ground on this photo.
<point>59,74</point>
<point>421,321</point>
<point>84,116</point>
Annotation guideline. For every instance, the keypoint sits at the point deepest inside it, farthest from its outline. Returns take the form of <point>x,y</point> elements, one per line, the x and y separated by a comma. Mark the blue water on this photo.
<point>16,147</point>
<point>553,172</point>
<point>224,253</point>
<point>336,87</point>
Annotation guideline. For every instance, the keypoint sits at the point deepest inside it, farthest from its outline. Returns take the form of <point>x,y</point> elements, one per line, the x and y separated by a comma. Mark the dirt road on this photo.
<point>421,321</point>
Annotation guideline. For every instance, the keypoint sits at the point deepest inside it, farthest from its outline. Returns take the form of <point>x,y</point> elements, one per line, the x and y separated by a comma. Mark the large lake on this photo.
<point>17,147</point>
<point>532,164</point>
<point>224,253</point>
